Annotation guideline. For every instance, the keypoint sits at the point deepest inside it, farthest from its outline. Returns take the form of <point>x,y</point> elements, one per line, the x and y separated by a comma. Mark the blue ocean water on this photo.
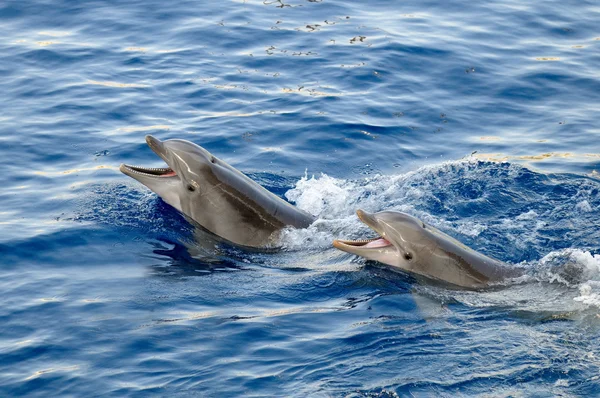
<point>480,118</point>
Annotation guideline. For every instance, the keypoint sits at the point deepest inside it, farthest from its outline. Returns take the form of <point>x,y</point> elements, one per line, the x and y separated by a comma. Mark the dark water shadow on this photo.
<point>185,259</point>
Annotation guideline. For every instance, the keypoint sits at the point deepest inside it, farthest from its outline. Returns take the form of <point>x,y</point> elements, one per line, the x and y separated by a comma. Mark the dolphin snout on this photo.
<point>157,146</point>
<point>367,218</point>
<point>153,142</point>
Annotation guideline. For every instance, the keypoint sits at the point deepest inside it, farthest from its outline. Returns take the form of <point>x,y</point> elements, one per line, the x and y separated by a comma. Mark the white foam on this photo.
<point>334,202</point>
<point>592,262</point>
<point>321,196</point>
<point>530,215</point>
<point>584,206</point>
<point>561,383</point>
<point>471,229</point>
<point>589,264</point>
<point>589,292</point>
<point>575,269</point>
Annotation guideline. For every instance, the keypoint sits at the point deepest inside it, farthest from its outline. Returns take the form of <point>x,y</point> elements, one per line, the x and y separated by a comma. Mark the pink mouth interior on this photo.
<point>381,242</point>
<point>169,174</point>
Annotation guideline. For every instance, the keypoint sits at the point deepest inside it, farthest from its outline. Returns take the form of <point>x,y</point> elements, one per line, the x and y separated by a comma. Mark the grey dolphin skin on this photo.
<point>407,243</point>
<point>215,195</point>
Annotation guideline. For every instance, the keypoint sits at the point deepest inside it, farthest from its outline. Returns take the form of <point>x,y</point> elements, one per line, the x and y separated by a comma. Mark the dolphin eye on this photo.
<point>408,256</point>
<point>191,188</point>
<point>423,225</point>
<point>213,159</point>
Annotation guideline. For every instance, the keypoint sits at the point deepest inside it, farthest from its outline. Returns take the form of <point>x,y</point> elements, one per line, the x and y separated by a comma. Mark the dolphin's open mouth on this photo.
<point>373,243</point>
<point>147,171</point>
<point>161,172</point>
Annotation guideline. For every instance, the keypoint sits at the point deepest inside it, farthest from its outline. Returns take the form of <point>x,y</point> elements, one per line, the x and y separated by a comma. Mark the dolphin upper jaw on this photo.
<point>158,147</point>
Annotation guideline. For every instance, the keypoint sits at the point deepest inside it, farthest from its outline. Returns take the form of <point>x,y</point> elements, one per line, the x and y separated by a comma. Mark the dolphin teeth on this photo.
<point>364,240</point>
<point>367,243</point>
<point>151,171</point>
<point>358,241</point>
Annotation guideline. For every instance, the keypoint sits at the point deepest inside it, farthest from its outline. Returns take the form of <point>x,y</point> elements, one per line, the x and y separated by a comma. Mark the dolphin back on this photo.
<point>476,266</point>
<point>266,204</point>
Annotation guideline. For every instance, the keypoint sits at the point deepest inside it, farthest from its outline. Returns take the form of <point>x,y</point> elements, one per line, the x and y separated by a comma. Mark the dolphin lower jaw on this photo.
<point>376,249</point>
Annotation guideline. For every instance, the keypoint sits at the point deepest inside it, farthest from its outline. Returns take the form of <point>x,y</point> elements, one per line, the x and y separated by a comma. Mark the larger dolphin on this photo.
<point>216,195</point>
<point>407,243</point>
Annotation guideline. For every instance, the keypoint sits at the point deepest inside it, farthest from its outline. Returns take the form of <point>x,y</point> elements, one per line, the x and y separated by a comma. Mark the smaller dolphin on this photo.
<point>407,243</point>
<point>216,195</point>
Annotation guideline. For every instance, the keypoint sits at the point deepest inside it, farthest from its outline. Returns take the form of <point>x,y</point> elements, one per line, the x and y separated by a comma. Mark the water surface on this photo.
<point>481,119</point>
